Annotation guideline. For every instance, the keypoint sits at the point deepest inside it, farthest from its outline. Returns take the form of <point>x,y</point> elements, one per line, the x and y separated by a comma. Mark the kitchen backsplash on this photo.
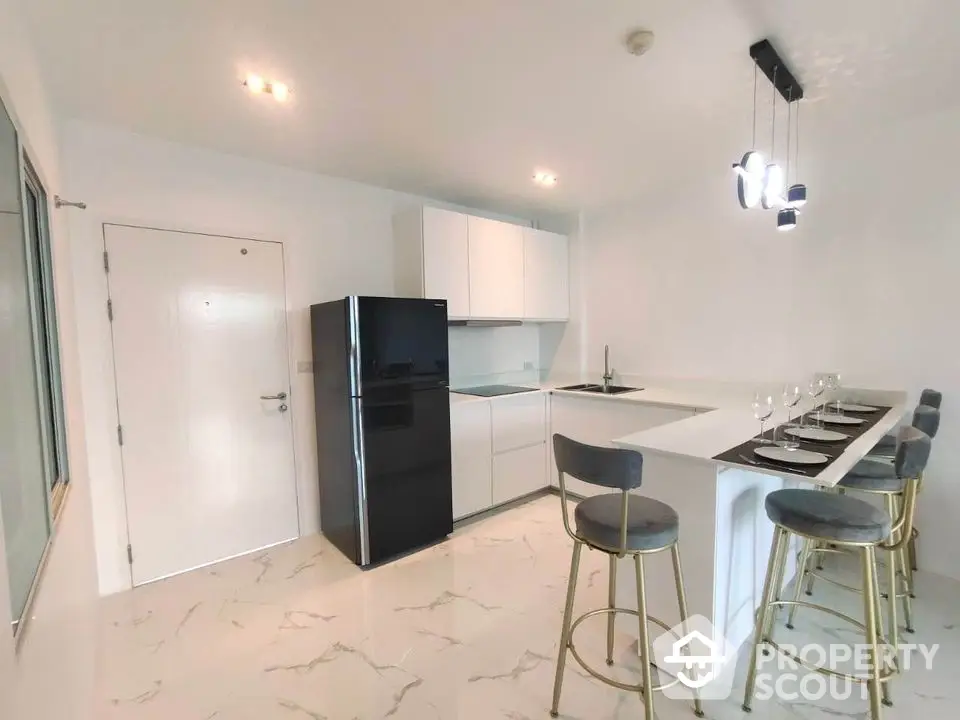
<point>486,356</point>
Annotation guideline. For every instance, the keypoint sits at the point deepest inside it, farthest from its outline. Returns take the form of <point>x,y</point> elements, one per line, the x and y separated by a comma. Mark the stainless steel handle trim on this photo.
<point>360,460</point>
<point>278,396</point>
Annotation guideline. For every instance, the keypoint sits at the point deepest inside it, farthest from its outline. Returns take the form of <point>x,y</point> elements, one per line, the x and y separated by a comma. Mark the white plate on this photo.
<point>791,457</point>
<point>833,419</point>
<point>812,433</point>
<point>853,407</point>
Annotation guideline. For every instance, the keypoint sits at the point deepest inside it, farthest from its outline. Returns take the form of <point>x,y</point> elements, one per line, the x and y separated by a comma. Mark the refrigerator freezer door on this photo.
<point>402,341</point>
<point>406,437</point>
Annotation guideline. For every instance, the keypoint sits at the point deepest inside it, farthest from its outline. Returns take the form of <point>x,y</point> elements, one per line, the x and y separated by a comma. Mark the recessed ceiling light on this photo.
<point>254,83</point>
<point>279,91</point>
<point>544,178</point>
<point>258,85</point>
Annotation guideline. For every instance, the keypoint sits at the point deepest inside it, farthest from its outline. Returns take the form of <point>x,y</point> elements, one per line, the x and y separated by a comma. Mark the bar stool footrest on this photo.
<point>600,676</point>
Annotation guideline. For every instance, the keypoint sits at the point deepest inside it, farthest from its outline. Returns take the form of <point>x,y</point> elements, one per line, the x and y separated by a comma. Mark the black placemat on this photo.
<point>833,450</point>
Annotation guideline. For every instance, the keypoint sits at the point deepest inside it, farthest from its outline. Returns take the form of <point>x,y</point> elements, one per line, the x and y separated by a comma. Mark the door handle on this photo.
<point>278,396</point>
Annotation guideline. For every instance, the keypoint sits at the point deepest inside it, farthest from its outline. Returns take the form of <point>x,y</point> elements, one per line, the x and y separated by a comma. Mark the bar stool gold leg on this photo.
<point>868,563</point>
<point>814,558</point>
<point>779,535</point>
<point>645,654</point>
<point>801,576</point>
<point>611,603</point>
<point>886,699</point>
<point>907,589</point>
<point>893,581</point>
<point>779,569</point>
<point>565,628</point>
<point>682,603</point>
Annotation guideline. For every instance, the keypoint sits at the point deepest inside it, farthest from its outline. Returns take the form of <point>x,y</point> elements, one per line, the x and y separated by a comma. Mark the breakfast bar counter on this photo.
<point>725,535</point>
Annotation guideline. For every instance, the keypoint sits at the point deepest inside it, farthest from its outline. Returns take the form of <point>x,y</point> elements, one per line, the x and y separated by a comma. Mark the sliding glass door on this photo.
<point>32,447</point>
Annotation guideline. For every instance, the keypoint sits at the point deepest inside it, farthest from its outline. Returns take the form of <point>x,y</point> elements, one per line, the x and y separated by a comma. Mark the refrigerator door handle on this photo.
<point>359,454</point>
<point>353,341</point>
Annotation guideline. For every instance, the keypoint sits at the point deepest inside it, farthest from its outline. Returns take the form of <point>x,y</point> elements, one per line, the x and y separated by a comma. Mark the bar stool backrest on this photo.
<point>933,398</point>
<point>609,467</point>
<point>913,451</point>
<point>927,418</point>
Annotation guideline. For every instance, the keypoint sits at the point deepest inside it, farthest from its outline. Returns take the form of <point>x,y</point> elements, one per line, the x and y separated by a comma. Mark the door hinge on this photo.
<point>120,434</point>
<point>130,554</point>
<point>106,261</point>
<point>110,310</point>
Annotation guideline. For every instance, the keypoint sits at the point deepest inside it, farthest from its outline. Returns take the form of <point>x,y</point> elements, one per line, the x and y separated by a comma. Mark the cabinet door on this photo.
<point>472,462</point>
<point>446,273</point>
<point>518,421</point>
<point>518,472</point>
<point>546,281</point>
<point>496,269</point>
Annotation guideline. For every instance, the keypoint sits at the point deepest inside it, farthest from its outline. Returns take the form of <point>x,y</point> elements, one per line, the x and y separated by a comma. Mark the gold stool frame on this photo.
<point>646,688</point>
<point>878,680</point>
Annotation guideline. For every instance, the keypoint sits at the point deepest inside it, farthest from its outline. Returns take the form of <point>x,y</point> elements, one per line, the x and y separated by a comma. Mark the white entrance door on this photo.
<point>200,354</point>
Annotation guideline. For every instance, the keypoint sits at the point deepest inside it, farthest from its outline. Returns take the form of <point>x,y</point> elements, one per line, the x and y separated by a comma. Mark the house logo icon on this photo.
<point>702,668</point>
<point>700,661</point>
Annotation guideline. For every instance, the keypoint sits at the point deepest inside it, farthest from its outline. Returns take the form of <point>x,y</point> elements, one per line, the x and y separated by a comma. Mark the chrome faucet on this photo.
<point>607,372</point>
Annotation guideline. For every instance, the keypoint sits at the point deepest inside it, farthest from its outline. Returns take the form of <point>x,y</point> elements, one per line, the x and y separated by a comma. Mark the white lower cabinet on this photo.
<point>597,421</point>
<point>471,446</point>
<point>519,472</point>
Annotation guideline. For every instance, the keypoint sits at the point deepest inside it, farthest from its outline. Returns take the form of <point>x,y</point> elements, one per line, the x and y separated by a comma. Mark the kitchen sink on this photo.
<point>594,388</point>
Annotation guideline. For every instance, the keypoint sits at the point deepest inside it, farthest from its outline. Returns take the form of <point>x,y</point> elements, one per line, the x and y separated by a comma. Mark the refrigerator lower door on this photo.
<point>406,468</point>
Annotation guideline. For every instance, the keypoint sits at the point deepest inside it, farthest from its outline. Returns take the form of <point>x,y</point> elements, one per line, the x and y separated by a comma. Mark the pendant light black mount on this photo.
<point>762,183</point>
<point>776,70</point>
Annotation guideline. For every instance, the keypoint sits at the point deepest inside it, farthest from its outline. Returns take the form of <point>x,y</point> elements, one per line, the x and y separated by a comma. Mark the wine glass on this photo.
<point>762,410</point>
<point>832,384</point>
<point>815,390</point>
<point>791,396</point>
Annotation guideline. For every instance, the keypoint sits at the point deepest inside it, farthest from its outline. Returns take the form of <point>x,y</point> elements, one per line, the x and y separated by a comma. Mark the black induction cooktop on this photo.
<point>493,390</point>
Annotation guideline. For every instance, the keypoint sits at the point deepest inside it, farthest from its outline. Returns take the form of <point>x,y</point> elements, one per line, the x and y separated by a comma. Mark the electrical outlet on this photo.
<point>305,366</point>
<point>527,365</point>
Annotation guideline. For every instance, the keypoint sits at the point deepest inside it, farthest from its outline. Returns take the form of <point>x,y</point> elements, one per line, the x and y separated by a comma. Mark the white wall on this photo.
<point>686,284</point>
<point>337,239</point>
<point>58,647</point>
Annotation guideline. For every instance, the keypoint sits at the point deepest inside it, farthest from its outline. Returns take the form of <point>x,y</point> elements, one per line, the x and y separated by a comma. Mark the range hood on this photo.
<point>484,323</point>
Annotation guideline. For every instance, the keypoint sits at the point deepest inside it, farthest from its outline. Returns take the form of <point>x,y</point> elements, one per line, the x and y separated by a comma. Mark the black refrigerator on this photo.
<point>381,377</point>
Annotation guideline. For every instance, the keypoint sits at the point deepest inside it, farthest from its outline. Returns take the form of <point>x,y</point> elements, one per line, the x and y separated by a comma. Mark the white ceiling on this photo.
<point>461,100</point>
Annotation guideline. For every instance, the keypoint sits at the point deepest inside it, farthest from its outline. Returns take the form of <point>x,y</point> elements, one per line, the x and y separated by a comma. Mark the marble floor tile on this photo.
<point>464,630</point>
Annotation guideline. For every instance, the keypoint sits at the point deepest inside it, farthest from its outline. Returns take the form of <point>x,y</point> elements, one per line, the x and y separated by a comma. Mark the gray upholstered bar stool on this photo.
<point>888,446</point>
<point>853,525</point>
<point>886,480</point>
<point>618,524</point>
<point>889,482</point>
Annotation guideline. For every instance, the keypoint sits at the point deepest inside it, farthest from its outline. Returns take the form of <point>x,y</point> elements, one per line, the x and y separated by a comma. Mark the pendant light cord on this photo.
<point>796,165</point>
<point>773,132</point>
<point>753,144</point>
<point>786,181</point>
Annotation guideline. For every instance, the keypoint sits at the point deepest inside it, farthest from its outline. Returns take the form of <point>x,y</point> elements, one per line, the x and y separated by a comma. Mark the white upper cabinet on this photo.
<point>546,275</point>
<point>431,257</point>
<point>484,269</point>
<point>496,269</point>
<point>446,272</point>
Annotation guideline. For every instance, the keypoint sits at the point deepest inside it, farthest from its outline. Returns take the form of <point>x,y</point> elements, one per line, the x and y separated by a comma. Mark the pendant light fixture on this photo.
<point>797,194</point>
<point>787,216</point>
<point>761,182</point>
<point>750,170</point>
<point>773,179</point>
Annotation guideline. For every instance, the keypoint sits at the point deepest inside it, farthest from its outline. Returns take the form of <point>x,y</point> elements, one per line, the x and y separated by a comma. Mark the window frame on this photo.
<point>46,329</point>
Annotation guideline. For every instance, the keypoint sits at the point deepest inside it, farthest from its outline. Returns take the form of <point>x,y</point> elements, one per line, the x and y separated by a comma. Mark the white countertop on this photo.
<point>725,420</point>
<point>732,423</point>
